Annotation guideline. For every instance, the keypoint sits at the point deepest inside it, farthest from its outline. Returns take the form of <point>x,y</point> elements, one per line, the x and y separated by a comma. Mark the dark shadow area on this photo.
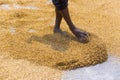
<point>56,41</point>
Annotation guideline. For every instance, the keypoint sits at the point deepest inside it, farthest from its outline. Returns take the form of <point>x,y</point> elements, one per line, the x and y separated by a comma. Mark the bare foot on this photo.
<point>60,31</point>
<point>81,35</point>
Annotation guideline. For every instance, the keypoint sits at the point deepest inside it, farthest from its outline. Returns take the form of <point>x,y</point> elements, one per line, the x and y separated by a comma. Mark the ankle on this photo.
<point>56,27</point>
<point>72,27</point>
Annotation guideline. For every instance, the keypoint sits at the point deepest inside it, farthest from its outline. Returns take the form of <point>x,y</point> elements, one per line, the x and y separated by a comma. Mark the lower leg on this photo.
<point>57,21</point>
<point>80,34</point>
<point>66,15</point>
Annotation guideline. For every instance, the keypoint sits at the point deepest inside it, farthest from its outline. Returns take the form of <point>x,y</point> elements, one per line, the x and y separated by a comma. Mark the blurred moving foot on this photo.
<point>60,31</point>
<point>82,36</point>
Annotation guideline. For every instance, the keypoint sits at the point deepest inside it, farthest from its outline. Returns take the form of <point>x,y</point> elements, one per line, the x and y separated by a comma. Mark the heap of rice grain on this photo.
<point>54,50</point>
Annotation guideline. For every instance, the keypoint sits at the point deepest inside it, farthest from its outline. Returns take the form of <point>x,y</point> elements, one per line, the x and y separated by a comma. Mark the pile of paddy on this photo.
<point>54,50</point>
<point>31,34</point>
<point>43,47</point>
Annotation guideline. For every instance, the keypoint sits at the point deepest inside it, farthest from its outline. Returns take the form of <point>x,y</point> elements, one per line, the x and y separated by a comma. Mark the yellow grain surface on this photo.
<point>43,48</point>
<point>54,50</point>
<point>11,69</point>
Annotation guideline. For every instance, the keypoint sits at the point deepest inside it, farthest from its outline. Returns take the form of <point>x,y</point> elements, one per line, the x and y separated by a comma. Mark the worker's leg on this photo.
<point>80,34</point>
<point>57,22</point>
<point>61,6</point>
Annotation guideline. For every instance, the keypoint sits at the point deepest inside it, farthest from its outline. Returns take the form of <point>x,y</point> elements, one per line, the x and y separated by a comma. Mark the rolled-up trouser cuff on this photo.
<point>60,4</point>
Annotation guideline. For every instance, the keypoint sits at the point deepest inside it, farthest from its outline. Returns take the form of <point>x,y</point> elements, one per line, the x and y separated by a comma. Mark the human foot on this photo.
<point>59,31</point>
<point>63,33</point>
<point>81,35</point>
